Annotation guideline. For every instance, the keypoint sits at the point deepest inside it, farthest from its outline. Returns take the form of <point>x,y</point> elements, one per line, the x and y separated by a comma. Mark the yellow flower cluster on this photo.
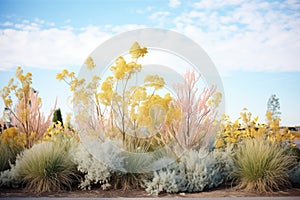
<point>58,130</point>
<point>136,51</point>
<point>154,81</point>
<point>245,127</point>
<point>151,106</point>
<point>106,93</point>
<point>89,63</point>
<point>25,80</point>
<point>13,138</point>
<point>123,70</point>
<point>70,79</point>
<point>5,92</point>
<point>215,100</point>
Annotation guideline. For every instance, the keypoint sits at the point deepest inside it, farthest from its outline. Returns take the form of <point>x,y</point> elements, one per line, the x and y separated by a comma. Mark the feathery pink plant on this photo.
<point>29,119</point>
<point>197,116</point>
<point>26,114</point>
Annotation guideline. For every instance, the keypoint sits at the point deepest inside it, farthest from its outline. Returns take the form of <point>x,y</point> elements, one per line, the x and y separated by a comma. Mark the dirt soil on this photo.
<point>223,191</point>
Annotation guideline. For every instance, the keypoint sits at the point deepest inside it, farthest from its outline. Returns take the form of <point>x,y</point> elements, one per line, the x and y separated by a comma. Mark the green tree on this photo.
<point>57,117</point>
<point>273,106</point>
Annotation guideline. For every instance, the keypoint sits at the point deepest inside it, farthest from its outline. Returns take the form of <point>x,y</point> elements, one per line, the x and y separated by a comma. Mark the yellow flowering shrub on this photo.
<point>125,109</point>
<point>135,109</point>
<point>13,138</point>
<point>246,127</point>
<point>58,130</point>
<point>11,144</point>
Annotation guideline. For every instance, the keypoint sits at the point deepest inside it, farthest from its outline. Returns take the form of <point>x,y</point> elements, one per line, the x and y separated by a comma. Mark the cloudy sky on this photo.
<point>254,44</point>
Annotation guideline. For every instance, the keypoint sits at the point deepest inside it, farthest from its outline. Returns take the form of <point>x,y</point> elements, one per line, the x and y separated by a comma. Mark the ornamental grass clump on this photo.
<point>262,166</point>
<point>46,167</point>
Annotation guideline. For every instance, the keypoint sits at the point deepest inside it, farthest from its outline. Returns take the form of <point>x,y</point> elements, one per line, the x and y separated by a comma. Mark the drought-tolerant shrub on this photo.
<point>10,178</point>
<point>198,112</point>
<point>46,167</point>
<point>262,166</point>
<point>195,171</point>
<point>11,144</point>
<point>104,164</point>
<point>97,164</point>
<point>295,174</point>
<point>246,127</point>
<point>295,171</point>
<point>58,131</point>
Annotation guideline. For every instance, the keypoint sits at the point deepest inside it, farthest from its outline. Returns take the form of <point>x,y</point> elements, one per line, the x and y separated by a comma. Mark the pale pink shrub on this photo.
<point>29,119</point>
<point>197,112</point>
<point>26,114</point>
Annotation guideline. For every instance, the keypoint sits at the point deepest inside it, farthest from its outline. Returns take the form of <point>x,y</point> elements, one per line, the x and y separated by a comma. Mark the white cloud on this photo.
<point>250,35</point>
<point>30,46</point>
<point>147,9</point>
<point>7,24</point>
<point>124,28</point>
<point>216,4</point>
<point>159,15</point>
<point>174,3</point>
<point>253,36</point>
<point>295,4</point>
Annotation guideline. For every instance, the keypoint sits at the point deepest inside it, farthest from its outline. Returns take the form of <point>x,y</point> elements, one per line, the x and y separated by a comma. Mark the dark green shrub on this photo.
<point>57,117</point>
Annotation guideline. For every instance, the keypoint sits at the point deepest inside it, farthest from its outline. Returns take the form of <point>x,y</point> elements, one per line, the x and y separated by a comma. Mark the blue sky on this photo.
<point>254,44</point>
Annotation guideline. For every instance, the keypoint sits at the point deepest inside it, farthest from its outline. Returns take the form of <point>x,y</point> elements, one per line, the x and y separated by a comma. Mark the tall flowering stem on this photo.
<point>198,112</point>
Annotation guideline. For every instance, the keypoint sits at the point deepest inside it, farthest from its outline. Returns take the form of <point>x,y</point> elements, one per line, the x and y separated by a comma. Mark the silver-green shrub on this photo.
<point>10,178</point>
<point>165,180</point>
<point>97,163</point>
<point>194,172</point>
<point>295,174</point>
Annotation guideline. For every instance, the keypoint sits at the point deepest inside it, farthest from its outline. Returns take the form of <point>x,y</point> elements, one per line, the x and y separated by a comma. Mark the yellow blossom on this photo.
<point>136,51</point>
<point>7,102</point>
<point>71,74</point>
<point>215,100</point>
<point>120,68</point>
<point>106,94</point>
<point>89,63</point>
<point>154,81</point>
<point>139,94</point>
<point>19,72</point>
<point>219,143</point>
<point>13,138</point>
